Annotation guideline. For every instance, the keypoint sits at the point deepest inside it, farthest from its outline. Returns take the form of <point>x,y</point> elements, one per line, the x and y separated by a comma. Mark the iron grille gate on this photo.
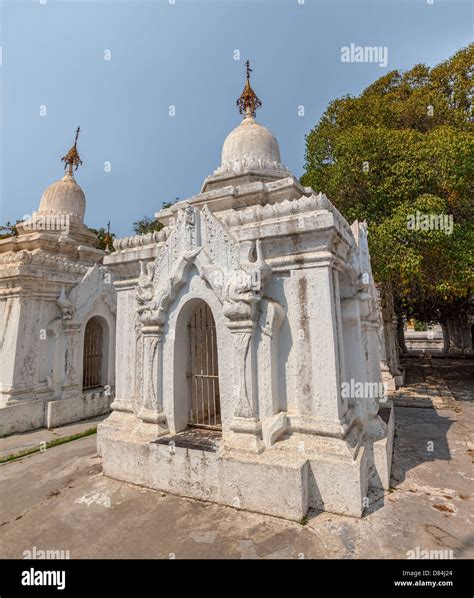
<point>204,376</point>
<point>93,339</point>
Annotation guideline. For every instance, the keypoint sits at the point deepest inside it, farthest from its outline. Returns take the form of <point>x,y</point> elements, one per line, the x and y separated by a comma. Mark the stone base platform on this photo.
<point>24,415</point>
<point>285,480</point>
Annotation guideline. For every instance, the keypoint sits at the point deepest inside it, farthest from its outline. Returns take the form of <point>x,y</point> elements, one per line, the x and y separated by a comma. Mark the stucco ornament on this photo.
<point>243,286</point>
<point>65,305</point>
<point>200,239</point>
<point>155,294</point>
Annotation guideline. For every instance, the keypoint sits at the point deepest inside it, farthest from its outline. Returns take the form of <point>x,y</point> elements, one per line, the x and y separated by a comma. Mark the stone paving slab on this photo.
<point>425,386</point>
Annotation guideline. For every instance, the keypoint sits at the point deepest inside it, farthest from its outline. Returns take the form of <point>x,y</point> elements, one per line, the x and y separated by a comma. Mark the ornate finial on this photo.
<point>248,101</point>
<point>108,239</point>
<point>72,159</point>
<point>248,70</point>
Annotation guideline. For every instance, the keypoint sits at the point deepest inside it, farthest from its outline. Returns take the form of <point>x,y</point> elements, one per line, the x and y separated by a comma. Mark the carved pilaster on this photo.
<point>151,408</point>
<point>245,424</point>
<point>71,381</point>
<point>274,422</point>
<point>244,404</point>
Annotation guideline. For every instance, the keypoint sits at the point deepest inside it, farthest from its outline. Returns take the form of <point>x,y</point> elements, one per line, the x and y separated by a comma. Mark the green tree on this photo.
<point>404,146</point>
<point>105,237</point>
<point>148,224</point>
<point>9,230</point>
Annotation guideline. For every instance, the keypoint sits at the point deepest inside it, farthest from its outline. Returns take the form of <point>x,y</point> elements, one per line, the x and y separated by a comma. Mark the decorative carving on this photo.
<point>96,284</point>
<point>274,424</point>
<point>238,283</point>
<point>149,374</point>
<point>243,406</point>
<point>141,240</point>
<point>65,305</point>
<point>250,163</point>
<point>153,300</point>
<point>245,286</point>
<point>56,262</point>
<point>159,281</point>
<point>199,237</point>
<point>258,213</point>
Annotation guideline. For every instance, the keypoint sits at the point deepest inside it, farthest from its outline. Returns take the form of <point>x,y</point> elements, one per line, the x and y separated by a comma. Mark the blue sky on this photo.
<point>183,54</point>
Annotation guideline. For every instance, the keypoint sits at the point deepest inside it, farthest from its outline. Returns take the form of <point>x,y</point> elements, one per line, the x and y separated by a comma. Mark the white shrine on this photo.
<point>57,315</point>
<point>240,327</point>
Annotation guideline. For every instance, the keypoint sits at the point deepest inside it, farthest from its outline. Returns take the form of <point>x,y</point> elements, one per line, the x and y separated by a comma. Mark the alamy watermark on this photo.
<point>45,554</point>
<point>33,577</point>
<point>55,222</point>
<point>421,221</point>
<point>237,278</point>
<point>421,553</point>
<point>364,390</point>
<point>375,54</point>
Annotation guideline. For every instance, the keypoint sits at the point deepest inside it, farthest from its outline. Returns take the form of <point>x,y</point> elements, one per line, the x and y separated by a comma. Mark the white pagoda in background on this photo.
<point>57,315</point>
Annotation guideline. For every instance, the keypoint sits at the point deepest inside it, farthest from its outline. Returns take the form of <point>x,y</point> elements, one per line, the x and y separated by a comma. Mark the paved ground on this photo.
<point>18,442</point>
<point>60,500</point>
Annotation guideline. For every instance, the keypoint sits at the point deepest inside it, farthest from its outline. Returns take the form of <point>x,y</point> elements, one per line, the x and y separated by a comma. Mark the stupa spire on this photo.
<point>248,103</point>
<point>72,159</point>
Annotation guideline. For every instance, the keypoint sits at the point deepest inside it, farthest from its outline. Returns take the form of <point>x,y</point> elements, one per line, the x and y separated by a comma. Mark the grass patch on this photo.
<point>304,520</point>
<point>47,445</point>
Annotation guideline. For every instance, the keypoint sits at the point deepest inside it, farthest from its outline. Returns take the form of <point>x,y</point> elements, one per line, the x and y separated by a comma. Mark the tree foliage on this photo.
<point>105,237</point>
<point>9,230</point>
<point>404,146</point>
<point>148,224</point>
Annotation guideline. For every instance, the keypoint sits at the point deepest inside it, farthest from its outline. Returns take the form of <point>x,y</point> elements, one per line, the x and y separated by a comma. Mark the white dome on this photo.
<point>250,146</point>
<point>65,197</point>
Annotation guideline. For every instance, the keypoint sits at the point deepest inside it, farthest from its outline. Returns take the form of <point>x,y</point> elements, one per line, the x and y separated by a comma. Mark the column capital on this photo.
<point>241,326</point>
<point>152,330</point>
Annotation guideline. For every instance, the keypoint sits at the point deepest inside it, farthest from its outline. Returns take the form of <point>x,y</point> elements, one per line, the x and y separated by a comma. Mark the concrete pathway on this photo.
<point>425,383</point>
<point>59,500</point>
<point>18,442</point>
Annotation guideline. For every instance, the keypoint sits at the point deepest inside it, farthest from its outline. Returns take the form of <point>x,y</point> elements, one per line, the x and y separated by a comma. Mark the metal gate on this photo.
<point>93,341</point>
<point>204,376</point>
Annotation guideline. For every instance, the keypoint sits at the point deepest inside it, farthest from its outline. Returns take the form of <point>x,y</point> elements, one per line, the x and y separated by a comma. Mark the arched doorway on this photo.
<point>205,410</point>
<point>94,358</point>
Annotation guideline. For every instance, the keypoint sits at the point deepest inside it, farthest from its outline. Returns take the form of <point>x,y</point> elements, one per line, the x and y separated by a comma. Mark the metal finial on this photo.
<point>72,159</point>
<point>108,239</point>
<point>248,103</point>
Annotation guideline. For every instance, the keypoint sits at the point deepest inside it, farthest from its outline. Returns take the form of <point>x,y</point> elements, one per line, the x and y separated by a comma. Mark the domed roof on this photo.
<point>250,152</point>
<point>66,197</point>
<point>250,146</point>
<point>250,140</point>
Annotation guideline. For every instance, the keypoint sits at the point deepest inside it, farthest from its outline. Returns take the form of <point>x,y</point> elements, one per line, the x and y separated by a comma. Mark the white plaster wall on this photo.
<point>49,351</point>
<point>22,416</point>
<point>25,374</point>
<point>318,371</point>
